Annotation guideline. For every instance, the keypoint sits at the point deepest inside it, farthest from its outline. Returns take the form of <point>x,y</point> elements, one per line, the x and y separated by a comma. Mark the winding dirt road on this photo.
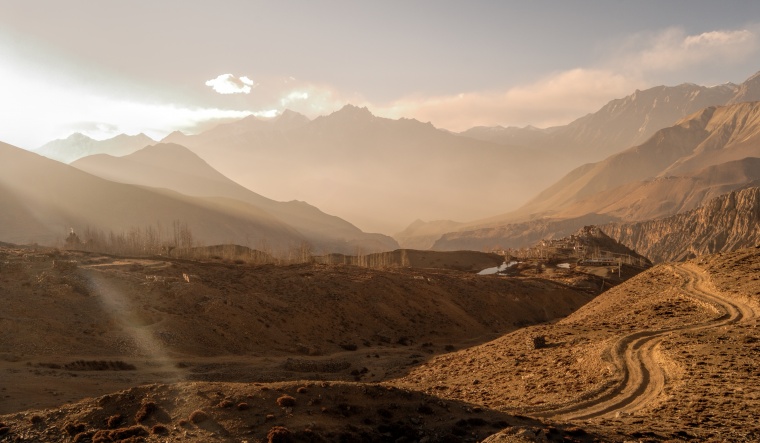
<point>637,358</point>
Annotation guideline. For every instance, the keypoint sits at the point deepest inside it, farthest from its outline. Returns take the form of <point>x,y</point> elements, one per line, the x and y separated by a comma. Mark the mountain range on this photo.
<point>711,152</point>
<point>623,122</point>
<point>79,145</point>
<point>175,167</point>
<point>43,199</point>
<point>668,150</point>
<point>377,172</point>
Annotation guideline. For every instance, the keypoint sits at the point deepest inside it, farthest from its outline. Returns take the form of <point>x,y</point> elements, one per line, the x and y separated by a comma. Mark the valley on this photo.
<point>384,222</point>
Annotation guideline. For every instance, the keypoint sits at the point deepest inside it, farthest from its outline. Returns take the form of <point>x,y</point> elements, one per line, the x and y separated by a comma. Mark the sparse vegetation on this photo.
<point>99,365</point>
<point>226,403</point>
<point>159,430</point>
<point>114,421</point>
<point>121,434</point>
<point>279,434</point>
<point>198,416</point>
<point>286,401</point>
<point>145,411</point>
<point>73,429</point>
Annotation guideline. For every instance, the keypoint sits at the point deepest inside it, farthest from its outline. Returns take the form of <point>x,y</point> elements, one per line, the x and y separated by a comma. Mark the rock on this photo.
<point>536,342</point>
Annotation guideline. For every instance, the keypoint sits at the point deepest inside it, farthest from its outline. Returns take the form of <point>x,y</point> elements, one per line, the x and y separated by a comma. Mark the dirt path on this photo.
<point>638,357</point>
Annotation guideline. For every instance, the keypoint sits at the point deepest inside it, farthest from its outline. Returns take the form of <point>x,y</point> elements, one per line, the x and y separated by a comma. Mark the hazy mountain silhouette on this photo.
<point>175,167</point>
<point>619,124</point>
<point>623,122</point>
<point>707,154</point>
<point>79,145</point>
<point>373,171</point>
<point>709,137</point>
<point>42,199</point>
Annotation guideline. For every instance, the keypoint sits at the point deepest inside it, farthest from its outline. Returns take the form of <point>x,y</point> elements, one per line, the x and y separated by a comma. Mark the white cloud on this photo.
<point>229,84</point>
<point>673,50</point>
<point>553,100</point>
<point>559,98</point>
<point>293,97</point>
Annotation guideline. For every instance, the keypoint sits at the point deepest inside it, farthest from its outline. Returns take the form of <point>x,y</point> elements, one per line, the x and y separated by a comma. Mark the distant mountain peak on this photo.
<point>749,91</point>
<point>350,109</point>
<point>289,114</point>
<point>78,137</point>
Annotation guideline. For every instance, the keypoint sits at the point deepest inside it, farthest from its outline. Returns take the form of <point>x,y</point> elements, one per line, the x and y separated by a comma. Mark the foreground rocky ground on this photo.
<point>669,355</point>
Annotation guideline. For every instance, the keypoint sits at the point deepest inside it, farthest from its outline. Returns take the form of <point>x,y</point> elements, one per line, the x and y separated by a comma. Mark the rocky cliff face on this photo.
<point>726,223</point>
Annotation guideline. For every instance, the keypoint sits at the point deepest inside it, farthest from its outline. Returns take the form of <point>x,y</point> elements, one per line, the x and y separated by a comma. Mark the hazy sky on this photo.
<point>106,67</point>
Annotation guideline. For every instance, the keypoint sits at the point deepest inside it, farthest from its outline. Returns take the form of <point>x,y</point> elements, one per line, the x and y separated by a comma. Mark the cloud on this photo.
<point>640,62</point>
<point>293,97</point>
<point>229,84</point>
<point>553,100</point>
<point>673,50</point>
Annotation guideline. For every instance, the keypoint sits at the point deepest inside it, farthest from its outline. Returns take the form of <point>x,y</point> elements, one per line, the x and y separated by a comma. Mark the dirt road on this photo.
<point>636,354</point>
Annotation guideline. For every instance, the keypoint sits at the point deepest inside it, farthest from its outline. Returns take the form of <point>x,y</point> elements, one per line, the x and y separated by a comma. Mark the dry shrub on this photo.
<point>114,421</point>
<point>145,411</point>
<point>286,401</point>
<point>122,435</point>
<point>226,403</point>
<point>198,416</point>
<point>159,430</point>
<point>279,434</point>
<point>99,365</point>
<point>83,437</point>
<point>74,428</point>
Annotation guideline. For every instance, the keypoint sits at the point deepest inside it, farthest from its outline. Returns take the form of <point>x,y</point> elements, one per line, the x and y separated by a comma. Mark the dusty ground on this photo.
<point>669,355</point>
<point>164,321</point>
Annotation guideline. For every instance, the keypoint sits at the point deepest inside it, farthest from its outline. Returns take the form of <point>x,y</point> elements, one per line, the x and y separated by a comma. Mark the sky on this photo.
<point>108,67</point>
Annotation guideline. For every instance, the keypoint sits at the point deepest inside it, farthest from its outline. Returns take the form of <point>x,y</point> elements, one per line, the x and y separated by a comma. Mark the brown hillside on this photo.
<point>670,354</point>
<point>43,199</point>
<point>185,320</point>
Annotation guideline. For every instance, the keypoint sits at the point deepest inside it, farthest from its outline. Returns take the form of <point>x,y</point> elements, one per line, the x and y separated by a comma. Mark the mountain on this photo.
<point>624,122</point>
<point>725,223</point>
<point>78,145</point>
<point>42,199</point>
<point>422,235</point>
<point>710,137</point>
<point>175,167</point>
<point>619,124</point>
<point>749,91</point>
<point>287,120</point>
<point>514,235</point>
<point>372,170</point>
<point>514,136</point>
<point>667,195</point>
<point>709,153</point>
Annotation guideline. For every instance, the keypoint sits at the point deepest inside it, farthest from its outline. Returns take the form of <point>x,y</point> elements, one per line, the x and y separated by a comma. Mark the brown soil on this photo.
<point>668,355</point>
<point>80,324</point>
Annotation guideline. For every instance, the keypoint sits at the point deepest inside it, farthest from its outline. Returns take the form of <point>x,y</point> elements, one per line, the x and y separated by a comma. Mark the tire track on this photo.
<point>636,355</point>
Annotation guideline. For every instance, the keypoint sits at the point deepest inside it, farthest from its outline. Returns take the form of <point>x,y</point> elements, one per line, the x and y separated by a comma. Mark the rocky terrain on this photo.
<point>171,319</point>
<point>670,355</point>
<point>666,356</point>
<point>726,223</point>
